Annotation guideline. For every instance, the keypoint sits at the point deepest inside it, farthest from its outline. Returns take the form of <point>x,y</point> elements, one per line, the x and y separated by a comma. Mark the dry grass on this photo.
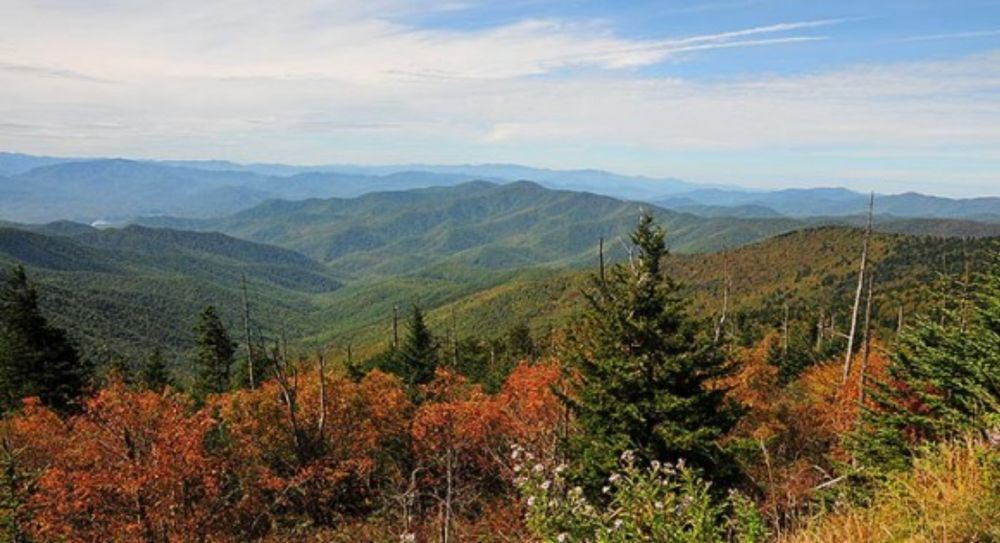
<point>952,494</point>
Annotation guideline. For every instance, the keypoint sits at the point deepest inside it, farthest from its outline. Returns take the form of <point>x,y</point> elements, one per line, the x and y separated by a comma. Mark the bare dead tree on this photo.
<point>395,326</point>
<point>966,280</point>
<point>857,295</point>
<point>784,332</point>
<point>866,349</point>
<point>454,338</point>
<point>600,253</point>
<point>819,331</point>
<point>246,333</point>
<point>720,325</point>
<point>287,378</point>
<point>321,424</point>
<point>899,321</point>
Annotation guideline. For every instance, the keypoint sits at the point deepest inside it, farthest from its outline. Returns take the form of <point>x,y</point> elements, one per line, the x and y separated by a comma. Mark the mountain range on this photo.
<point>41,189</point>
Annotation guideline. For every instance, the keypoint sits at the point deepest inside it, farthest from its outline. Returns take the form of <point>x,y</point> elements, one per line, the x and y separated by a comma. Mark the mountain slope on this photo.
<point>136,288</point>
<point>475,224</point>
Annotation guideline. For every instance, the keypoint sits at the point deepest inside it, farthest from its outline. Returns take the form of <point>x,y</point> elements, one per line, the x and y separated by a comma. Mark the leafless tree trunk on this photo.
<point>449,480</point>
<point>819,331</point>
<point>857,294</point>
<point>246,333</point>
<point>395,326</point>
<point>600,252</point>
<point>784,332</point>
<point>720,326</point>
<point>454,338</point>
<point>899,321</point>
<point>320,426</point>
<point>866,350</point>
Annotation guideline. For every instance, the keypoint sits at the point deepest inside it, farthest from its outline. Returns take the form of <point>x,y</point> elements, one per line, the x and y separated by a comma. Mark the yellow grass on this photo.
<point>952,494</point>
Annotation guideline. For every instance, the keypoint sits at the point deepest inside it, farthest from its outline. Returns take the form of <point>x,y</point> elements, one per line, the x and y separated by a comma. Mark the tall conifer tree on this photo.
<point>36,358</point>
<point>647,378</point>
<point>214,355</point>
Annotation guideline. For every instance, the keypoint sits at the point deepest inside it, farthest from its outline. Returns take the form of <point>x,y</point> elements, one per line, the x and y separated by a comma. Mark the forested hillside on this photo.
<point>137,288</point>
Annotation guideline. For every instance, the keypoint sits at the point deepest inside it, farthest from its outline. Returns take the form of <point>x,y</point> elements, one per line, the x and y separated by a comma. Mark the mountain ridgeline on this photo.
<point>478,224</point>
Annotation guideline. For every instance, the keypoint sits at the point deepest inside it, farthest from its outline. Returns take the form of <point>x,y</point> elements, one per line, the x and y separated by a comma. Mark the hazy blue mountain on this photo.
<point>42,189</point>
<point>838,202</point>
<point>116,189</point>
<point>15,163</point>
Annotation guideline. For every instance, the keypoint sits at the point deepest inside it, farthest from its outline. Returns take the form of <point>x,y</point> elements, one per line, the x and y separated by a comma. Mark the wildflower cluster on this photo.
<point>660,502</point>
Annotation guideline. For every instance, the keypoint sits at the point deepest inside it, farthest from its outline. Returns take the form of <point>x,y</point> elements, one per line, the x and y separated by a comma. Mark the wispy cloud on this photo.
<point>972,34</point>
<point>42,71</point>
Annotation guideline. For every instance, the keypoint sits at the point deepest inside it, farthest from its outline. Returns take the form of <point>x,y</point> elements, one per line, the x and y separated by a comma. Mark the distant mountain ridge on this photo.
<point>43,189</point>
<point>803,203</point>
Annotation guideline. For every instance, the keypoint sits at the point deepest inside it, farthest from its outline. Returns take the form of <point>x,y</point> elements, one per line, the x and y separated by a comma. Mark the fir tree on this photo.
<point>943,381</point>
<point>418,352</point>
<point>214,354</point>
<point>154,374</point>
<point>36,358</point>
<point>646,379</point>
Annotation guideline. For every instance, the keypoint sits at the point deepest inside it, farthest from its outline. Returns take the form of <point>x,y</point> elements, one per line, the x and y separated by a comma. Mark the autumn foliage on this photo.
<point>150,467</point>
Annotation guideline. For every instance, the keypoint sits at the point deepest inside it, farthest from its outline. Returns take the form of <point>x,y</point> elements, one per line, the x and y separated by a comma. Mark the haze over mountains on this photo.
<point>37,189</point>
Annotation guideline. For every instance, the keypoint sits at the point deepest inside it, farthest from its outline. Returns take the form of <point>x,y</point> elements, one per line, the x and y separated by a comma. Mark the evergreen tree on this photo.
<point>214,354</point>
<point>646,379</point>
<point>154,374</point>
<point>943,381</point>
<point>36,358</point>
<point>418,353</point>
<point>520,344</point>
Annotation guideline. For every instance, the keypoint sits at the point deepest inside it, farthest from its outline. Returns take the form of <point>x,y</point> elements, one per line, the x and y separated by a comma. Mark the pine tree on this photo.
<point>646,378</point>
<point>943,381</point>
<point>154,374</point>
<point>36,358</point>
<point>214,354</point>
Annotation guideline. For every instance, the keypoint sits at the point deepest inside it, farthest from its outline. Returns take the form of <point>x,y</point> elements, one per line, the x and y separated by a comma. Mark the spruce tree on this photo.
<point>154,374</point>
<point>943,381</point>
<point>418,352</point>
<point>214,354</point>
<point>646,377</point>
<point>36,358</point>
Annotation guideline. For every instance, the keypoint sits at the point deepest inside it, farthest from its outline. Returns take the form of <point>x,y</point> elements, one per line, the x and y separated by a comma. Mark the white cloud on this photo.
<point>314,81</point>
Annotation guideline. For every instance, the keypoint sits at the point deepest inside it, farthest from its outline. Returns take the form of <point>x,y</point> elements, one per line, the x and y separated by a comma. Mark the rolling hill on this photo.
<point>492,227</point>
<point>479,224</point>
<point>136,288</point>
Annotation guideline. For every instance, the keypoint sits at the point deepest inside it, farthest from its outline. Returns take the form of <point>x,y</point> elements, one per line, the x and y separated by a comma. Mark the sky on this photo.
<point>887,95</point>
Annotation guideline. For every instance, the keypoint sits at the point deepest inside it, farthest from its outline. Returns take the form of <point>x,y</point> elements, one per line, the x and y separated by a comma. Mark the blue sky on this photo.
<point>890,96</point>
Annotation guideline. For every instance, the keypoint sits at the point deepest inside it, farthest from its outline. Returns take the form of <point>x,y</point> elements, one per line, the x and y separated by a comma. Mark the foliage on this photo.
<point>951,494</point>
<point>662,503</point>
<point>943,380</point>
<point>36,358</point>
<point>131,464</point>
<point>646,379</point>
